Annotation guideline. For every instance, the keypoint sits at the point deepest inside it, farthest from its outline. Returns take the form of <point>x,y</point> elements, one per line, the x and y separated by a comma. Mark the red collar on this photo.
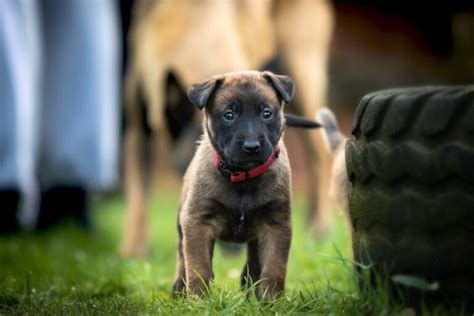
<point>241,175</point>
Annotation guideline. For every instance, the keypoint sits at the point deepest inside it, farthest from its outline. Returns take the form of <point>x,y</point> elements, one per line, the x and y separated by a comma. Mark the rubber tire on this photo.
<point>411,199</point>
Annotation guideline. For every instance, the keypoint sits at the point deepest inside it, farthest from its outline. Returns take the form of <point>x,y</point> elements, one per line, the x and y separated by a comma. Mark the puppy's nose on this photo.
<point>251,146</point>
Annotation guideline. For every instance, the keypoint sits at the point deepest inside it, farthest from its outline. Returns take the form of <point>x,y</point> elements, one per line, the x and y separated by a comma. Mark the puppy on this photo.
<point>238,185</point>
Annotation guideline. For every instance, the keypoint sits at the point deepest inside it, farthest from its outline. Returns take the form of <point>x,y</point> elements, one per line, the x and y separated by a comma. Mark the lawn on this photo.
<point>68,271</point>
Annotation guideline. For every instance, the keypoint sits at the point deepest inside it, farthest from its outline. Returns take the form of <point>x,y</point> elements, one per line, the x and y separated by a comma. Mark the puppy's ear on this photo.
<point>200,93</point>
<point>283,85</point>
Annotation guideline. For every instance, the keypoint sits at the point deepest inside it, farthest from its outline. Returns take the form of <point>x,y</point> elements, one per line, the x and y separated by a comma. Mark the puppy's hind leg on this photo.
<point>179,285</point>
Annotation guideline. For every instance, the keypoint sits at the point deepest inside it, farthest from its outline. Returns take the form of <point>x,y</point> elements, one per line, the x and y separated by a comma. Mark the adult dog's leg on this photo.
<point>134,239</point>
<point>318,180</point>
<point>304,29</point>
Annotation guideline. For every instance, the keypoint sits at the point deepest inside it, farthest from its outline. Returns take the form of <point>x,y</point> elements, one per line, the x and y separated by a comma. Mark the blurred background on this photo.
<point>378,45</point>
<point>62,72</point>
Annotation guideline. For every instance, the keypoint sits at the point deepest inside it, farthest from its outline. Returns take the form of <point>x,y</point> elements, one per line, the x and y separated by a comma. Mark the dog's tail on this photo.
<point>334,137</point>
<point>299,121</point>
<point>336,140</point>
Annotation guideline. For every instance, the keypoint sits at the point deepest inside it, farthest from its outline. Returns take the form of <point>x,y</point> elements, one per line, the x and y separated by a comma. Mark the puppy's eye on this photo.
<point>267,114</point>
<point>229,115</point>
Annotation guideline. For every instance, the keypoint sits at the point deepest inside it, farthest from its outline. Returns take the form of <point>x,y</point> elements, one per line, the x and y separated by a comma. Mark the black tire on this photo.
<point>411,199</point>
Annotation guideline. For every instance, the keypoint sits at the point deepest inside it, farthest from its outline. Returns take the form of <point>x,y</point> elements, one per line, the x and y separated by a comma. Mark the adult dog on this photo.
<point>192,40</point>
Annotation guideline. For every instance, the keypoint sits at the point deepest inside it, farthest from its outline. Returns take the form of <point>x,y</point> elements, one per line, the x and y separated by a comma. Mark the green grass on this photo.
<point>68,271</point>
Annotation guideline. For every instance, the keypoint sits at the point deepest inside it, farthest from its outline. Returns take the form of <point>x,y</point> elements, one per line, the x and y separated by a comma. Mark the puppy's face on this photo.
<point>244,114</point>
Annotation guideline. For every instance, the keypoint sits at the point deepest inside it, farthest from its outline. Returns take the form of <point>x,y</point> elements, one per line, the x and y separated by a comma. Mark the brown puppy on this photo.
<point>243,127</point>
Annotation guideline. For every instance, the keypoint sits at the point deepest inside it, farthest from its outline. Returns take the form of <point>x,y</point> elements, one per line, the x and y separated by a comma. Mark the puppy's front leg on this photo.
<point>198,242</point>
<point>273,247</point>
<point>252,267</point>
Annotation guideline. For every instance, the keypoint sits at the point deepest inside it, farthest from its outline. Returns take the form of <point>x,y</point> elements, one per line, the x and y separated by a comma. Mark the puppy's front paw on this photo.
<point>269,288</point>
<point>197,287</point>
<point>178,288</point>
